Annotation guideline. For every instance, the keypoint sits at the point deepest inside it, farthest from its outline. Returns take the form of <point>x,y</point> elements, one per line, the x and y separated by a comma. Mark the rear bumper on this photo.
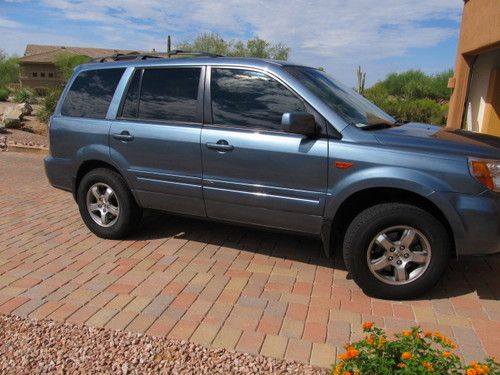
<point>476,225</point>
<point>58,172</point>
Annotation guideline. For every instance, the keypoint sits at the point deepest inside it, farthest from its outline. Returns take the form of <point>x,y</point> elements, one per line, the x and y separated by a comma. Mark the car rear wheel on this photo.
<point>396,251</point>
<point>106,204</point>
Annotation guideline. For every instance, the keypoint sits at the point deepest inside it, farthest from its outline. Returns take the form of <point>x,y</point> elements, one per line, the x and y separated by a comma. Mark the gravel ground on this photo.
<point>40,347</point>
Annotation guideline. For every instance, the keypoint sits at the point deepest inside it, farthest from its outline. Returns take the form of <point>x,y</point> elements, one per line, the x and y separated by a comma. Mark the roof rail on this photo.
<point>177,52</point>
<point>160,55</point>
<point>126,56</point>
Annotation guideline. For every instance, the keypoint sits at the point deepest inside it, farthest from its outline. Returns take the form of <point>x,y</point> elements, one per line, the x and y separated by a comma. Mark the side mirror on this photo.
<point>299,123</point>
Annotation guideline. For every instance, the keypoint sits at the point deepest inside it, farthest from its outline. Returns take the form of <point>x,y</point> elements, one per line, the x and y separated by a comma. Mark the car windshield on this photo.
<point>348,104</point>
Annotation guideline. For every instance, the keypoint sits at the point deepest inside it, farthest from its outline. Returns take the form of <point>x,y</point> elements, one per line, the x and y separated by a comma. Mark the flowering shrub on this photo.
<point>412,352</point>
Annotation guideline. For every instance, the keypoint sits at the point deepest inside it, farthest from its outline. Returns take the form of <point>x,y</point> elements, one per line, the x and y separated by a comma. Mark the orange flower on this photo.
<point>369,342</point>
<point>471,371</point>
<point>428,366</point>
<point>346,373</point>
<point>401,365</point>
<point>344,357</point>
<point>406,355</point>
<point>447,354</point>
<point>427,334</point>
<point>353,353</point>
<point>367,325</point>
<point>406,333</point>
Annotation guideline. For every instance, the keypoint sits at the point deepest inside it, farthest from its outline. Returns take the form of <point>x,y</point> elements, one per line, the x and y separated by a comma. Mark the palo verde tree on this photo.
<point>66,62</point>
<point>256,47</point>
<point>9,69</point>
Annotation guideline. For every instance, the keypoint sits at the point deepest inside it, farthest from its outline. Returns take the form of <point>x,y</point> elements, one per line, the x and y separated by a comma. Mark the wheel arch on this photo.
<point>88,165</point>
<point>368,197</point>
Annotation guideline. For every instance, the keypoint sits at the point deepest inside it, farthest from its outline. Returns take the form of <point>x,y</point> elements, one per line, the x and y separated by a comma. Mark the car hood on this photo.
<point>437,139</point>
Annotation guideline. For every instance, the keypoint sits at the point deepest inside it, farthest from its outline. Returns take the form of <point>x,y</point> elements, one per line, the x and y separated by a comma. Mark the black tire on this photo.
<point>130,213</point>
<point>374,220</point>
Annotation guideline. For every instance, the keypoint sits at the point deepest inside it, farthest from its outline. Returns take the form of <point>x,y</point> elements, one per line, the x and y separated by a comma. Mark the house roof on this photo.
<point>36,53</point>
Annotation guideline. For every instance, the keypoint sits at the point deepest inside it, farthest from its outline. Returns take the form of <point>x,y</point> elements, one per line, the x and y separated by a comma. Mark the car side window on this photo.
<point>169,94</point>
<point>131,103</point>
<point>91,93</point>
<point>250,99</point>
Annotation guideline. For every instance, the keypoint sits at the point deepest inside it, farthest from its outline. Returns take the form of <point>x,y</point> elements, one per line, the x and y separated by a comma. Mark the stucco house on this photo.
<point>475,101</point>
<point>37,67</point>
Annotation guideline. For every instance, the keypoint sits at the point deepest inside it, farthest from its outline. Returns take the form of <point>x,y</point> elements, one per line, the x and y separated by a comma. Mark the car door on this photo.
<point>253,172</point>
<point>156,138</point>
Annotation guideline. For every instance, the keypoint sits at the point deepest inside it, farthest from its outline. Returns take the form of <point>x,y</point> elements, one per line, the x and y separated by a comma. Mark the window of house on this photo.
<point>250,99</point>
<point>42,74</point>
<point>91,93</point>
<point>51,75</point>
<point>167,94</point>
<point>35,74</point>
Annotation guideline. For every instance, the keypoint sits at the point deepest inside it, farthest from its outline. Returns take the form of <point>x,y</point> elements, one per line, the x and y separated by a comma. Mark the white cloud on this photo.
<point>7,23</point>
<point>356,31</point>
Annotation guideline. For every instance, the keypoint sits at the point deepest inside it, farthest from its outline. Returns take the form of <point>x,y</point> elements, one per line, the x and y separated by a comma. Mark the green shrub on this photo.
<point>412,352</point>
<point>48,104</point>
<point>4,94</point>
<point>24,96</point>
<point>41,91</point>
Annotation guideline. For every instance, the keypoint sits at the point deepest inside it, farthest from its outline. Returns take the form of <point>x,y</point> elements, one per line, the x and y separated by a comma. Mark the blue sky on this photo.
<point>380,35</point>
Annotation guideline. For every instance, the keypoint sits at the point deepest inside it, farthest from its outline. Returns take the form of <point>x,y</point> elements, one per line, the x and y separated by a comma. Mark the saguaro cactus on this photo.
<point>361,81</point>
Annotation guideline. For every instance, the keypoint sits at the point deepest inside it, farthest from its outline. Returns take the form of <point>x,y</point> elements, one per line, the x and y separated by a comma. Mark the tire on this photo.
<point>118,214</point>
<point>383,261</point>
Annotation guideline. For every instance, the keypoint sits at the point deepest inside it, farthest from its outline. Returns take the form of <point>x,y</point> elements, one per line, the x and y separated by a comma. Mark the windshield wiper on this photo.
<point>381,125</point>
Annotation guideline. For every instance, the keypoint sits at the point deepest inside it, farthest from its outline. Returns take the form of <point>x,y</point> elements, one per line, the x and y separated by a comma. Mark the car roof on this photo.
<point>190,61</point>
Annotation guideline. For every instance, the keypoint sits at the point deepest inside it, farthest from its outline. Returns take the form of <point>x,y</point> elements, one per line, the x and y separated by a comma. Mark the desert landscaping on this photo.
<point>20,128</point>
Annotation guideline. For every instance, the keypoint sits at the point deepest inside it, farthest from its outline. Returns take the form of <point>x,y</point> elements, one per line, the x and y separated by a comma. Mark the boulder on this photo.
<point>12,118</point>
<point>3,143</point>
<point>25,108</point>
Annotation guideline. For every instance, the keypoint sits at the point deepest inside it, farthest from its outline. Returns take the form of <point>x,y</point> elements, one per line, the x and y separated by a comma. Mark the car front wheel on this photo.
<point>396,251</point>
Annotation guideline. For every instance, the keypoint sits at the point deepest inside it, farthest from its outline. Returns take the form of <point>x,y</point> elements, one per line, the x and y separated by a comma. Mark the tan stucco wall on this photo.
<point>28,81</point>
<point>479,32</point>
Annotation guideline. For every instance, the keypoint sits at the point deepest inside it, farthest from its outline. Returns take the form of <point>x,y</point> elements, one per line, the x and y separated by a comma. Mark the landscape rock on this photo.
<point>25,108</point>
<point>12,118</point>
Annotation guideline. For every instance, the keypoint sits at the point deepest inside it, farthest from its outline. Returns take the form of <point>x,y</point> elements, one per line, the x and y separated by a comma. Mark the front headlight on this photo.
<point>486,172</point>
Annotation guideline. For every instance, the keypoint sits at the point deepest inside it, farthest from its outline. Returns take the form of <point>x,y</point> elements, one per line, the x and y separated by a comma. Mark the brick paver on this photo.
<point>214,284</point>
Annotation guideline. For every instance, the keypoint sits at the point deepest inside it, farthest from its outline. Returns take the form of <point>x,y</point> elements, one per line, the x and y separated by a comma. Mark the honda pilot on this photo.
<point>277,145</point>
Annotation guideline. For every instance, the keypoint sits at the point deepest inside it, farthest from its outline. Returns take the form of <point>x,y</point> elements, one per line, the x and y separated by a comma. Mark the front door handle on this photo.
<point>123,136</point>
<point>221,145</point>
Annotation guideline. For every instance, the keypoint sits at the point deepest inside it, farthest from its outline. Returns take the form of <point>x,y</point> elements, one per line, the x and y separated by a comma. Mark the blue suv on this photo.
<point>276,145</point>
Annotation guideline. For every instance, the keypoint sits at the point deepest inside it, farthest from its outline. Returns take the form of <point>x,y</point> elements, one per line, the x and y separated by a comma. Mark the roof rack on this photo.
<point>159,55</point>
<point>126,56</point>
<point>177,52</point>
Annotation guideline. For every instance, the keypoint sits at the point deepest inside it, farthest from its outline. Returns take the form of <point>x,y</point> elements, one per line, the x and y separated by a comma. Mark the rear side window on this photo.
<point>250,99</point>
<point>166,95</point>
<point>131,104</point>
<point>91,93</point>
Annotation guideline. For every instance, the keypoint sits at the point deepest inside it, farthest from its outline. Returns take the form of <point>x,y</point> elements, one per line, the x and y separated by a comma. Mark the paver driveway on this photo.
<point>213,284</point>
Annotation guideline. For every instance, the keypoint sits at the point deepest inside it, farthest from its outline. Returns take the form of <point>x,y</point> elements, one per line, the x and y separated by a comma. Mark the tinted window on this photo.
<point>248,98</point>
<point>169,94</point>
<point>91,93</point>
<point>131,104</point>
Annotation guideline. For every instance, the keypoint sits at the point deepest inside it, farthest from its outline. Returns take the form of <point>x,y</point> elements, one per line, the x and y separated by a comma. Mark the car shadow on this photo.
<point>470,275</point>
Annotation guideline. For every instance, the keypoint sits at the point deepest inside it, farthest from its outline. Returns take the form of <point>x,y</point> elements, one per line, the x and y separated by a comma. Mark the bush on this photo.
<point>4,94</point>
<point>48,104</point>
<point>412,352</point>
<point>41,91</point>
<point>24,96</point>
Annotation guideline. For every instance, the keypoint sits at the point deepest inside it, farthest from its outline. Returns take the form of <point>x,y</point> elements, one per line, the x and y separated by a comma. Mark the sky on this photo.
<point>381,36</point>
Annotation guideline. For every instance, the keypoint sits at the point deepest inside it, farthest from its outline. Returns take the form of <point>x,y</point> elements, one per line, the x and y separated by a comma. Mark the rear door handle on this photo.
<point>123,136</point>
<point>221,145</point>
